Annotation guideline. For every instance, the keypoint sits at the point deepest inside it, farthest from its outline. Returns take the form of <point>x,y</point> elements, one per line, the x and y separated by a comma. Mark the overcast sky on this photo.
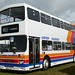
<point>64,9</point>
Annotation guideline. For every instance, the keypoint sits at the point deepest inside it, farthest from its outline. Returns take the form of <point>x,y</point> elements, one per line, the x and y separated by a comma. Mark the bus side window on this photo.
<point>66,26</point>
<point>46,45</point>
<point>73,46</point>
<point>55,22</point>
<point>59,45</point>
<point>45,19</point>
<point>63,45</point>
<point>72,28</point>
<point>56,45</point>
<point>33,14</point>
<point>61,23</point>
<point>68,46</point>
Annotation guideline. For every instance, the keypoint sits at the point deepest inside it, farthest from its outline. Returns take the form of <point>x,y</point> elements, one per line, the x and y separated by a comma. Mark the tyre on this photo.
<point>46,63</point>
<point>74,58</point>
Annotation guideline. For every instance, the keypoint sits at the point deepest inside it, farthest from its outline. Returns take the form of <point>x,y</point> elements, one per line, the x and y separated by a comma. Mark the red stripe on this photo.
<point>16,61</point>
<point>57,57</point>
<point>9,61</point>
<point>41,59</point>
<point>27,61</point>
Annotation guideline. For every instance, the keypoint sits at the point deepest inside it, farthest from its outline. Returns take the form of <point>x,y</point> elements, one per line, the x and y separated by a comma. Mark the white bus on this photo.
<point>32,39</point>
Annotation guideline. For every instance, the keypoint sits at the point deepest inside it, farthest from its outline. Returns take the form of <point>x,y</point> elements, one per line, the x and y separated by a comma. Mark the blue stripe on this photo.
<point>12,55</point>
<point>3,55</point>
<point>20,65</point>
<point>55,60</point>
<point>8,55</point>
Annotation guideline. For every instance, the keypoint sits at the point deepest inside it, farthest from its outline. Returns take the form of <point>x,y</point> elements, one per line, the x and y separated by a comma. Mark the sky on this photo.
<point>64,9</point>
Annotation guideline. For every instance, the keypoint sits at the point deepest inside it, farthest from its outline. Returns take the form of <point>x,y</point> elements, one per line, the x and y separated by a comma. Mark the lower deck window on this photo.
<point>73,46</point>
<point>46,45</point>
<point>63,46</point>
<point>68,46</point>
<point>56,45</point>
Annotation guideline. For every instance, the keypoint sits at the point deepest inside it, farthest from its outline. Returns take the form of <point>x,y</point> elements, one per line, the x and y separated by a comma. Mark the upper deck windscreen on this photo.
<point>12,15</point>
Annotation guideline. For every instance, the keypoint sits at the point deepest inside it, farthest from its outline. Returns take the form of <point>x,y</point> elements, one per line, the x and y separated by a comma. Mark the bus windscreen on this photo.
<point>13,44</point>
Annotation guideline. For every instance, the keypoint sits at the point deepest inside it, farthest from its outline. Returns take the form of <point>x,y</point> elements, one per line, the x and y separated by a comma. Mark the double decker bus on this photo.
<point>32,39</point>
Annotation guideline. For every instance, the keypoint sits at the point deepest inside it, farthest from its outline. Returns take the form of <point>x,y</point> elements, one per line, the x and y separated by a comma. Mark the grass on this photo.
<point>65,69</point>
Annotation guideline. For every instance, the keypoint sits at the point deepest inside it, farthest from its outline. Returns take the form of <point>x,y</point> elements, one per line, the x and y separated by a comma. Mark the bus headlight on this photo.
<point>21,62</point>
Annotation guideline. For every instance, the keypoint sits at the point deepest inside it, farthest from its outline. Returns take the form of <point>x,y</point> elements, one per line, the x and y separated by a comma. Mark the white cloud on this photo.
<point>68,15</point>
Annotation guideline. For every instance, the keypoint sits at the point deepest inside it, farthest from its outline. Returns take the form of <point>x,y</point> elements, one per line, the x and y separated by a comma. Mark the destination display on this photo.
<point>10,29</point>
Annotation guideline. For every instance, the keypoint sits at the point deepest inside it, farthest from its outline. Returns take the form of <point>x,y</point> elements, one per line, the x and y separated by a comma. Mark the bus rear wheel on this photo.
<point>45,64</point>
<point>74,58</point>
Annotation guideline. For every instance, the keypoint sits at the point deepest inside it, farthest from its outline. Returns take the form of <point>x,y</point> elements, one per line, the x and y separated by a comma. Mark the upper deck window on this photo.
<point>12,15</point>
<point>45,19</point>
<point>56,22</point>
<point>66,26</point>
<point>33,14</point>
<point>72,28</point>
<point>62,24</point>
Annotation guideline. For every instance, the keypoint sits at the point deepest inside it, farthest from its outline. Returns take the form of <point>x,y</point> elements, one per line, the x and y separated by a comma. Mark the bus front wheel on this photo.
<point>45,63</point>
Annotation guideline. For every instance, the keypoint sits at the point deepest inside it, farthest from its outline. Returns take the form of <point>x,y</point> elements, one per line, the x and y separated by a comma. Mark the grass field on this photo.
<point>65,69</point>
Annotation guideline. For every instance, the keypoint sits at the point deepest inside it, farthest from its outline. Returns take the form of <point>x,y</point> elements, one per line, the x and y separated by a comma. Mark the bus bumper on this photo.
<point>14,68</point>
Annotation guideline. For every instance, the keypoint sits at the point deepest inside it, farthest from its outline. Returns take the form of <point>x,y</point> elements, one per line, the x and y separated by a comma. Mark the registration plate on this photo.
<point>9,68</point>
<point>1,67</point>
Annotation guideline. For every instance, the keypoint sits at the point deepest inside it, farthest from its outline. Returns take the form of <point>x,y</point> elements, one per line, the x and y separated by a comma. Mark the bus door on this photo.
<point>34,52</point>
